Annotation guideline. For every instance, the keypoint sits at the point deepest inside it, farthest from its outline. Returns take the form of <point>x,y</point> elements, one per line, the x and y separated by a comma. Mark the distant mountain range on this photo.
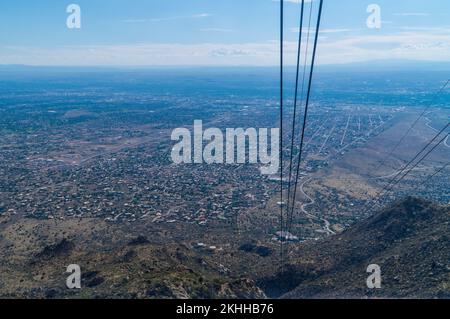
<point>410,242</point>
<point>368,66</point>
<point>388,65</point>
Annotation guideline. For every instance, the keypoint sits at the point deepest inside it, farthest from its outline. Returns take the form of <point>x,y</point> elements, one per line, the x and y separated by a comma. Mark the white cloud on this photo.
<point>436,30</point>
<point>216,30</point>
<point>412,14</point>
<point>194,16</point>
<point>401,45</point>
<point>430,45</point>
<point>144,54</point>
<point>312,31</point>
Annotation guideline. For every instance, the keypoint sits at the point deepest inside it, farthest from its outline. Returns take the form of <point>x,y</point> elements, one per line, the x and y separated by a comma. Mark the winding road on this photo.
<point>436,130</point>
<point>327,225</point>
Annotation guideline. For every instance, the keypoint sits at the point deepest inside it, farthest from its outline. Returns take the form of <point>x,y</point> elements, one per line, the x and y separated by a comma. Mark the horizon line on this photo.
<point>377,62</point>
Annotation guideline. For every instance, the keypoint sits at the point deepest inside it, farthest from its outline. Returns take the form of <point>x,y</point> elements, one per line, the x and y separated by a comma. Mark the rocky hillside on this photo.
<point>409,241</point>
<point>115,263</point>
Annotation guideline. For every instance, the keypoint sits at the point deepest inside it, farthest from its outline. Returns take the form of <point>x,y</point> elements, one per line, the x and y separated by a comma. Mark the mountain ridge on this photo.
<point>409,241</point>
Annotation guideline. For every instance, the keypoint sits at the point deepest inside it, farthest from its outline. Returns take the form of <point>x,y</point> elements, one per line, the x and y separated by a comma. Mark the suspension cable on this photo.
<point>294,117</point>
<point>308,95</point>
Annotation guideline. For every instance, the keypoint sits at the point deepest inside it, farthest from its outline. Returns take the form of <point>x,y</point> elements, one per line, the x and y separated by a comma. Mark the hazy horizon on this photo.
<point>213,33</point>
<point>418,65</point>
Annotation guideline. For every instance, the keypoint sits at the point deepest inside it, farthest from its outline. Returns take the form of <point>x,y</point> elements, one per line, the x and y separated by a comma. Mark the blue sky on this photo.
<point>215,32</point>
